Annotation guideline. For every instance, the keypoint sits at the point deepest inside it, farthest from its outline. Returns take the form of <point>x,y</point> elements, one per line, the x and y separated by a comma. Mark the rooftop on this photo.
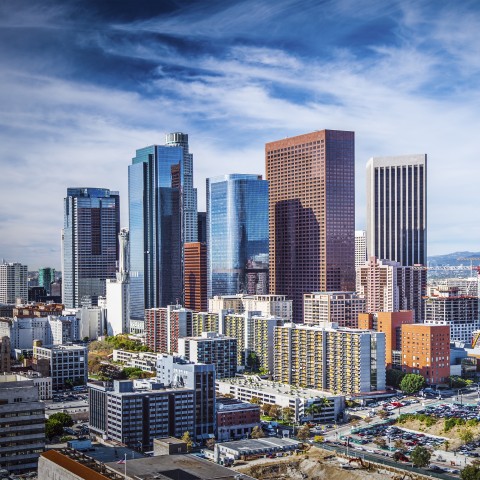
<point>260,444</point>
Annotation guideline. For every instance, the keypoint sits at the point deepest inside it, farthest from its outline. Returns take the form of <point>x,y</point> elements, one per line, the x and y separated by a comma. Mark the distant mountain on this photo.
<point>456,258</point>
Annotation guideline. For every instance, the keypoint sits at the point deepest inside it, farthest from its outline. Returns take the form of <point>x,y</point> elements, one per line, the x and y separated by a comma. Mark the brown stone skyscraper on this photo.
<point>312,214</point>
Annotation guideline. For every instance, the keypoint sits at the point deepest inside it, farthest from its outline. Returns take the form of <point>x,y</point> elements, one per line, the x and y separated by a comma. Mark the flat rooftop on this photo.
<point>259,445</point>
<point>173,467</point>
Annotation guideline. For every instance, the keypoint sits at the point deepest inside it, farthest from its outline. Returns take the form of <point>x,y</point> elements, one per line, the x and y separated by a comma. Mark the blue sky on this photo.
<point>85,83</point>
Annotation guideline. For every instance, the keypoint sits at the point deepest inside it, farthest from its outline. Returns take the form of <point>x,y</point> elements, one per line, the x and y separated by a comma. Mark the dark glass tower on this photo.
<point>89,244</point>
<point>312,214</point>
<point>237,235</point>
<point>162,217</point>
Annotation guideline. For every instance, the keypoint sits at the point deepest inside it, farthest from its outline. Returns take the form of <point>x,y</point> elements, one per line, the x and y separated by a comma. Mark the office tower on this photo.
<point>66,364</point>
<point>89,244</point>
<point>46,276</point>
<point>22,424</point>
<point>397,209</point>
<point>5,354</point>
<point>164,326</point>
<point>268,305</point>
<point>35,294</point>
<point>389,287</point>
<point>211,347</point>
<point>176,371</point>
<point>205,322</point>
<point>254,333</point>
<point>426,351</point>
<point>312,214</point>
<point>162,217</point>
<point>237,234</point>
<point>446,306</point>
<point>117,294</point>
<point>346,361</point>
<point>13,282</point>
<point>390,323</point>
<point>140,411</point>
<point>360,248</point>
<point>195,276</point>
<point>202,227</point>
<point>341,308</point>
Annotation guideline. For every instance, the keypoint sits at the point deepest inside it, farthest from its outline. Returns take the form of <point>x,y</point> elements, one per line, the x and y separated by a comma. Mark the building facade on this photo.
<point>237,234</point>
<point>397,209</point>
<point>89,244</point>
<point>162,217</point>
<point>235,419</point>
<point>214,348</point>
<point>22,424</point>
<point>360,248</point>
<point>13,282</point>
<point>342,308</point>
<point>205,322</point>
<point>195,275</point>
<point>346,361</point>
<point>46,276</point>
<point>312,214</point>
<point>426,351</point>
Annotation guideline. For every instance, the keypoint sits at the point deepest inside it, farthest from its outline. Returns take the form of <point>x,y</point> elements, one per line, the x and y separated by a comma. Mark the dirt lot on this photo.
<point>315,465</point>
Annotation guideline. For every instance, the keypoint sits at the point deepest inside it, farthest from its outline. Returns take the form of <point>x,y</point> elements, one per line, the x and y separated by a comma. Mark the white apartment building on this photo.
<point>13,282</point>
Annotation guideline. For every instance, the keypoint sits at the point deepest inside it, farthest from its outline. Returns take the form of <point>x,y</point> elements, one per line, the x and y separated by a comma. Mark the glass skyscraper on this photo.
<point>89,244</point>
<point>162,217</point>
<point>237,235</point>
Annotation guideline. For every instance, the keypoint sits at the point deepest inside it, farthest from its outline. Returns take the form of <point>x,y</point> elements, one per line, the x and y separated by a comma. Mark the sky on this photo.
<point>83,84</point>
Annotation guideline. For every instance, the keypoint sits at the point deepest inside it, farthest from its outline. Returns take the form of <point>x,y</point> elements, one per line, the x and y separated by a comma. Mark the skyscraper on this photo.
<point>312,214</point>
<point>13,282</point>
<point>46,276</point>
<point>237,234</point>
<point>89,244</point>
<point>397,208</point>
<point>360,248</point>
<point>195,277</point>
<point>163,216</point>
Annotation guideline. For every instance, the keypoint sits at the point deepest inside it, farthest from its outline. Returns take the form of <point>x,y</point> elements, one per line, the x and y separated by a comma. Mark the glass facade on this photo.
<point>162,217</point>
<point>237,235</point>
<point>89,243</point>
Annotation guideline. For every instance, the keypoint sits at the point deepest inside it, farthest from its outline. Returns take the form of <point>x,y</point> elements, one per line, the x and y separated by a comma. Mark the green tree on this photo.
<point>457,382</point>
<point>53,428</point>
<point>412,383</point>
<point>382,414</point>
<point>470,472</point>
<point>446,445</point>
<point>400,445</point>
<point>394,377</point>
<point>380,441</point>
<point>465,435</point>
<point>275,412</point>
<point>288,414</point>
<point>303,433</point>
<point>253,362</point>
<point>257,432</point>
<point>64,419</point>
<point>255,401</point>
<point>420,456</point>
<point>266,409</point>
<point>186,437</point>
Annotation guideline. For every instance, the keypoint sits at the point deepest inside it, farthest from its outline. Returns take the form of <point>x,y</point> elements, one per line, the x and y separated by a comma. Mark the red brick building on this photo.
<point>195,276</point>
<point>235,419</point>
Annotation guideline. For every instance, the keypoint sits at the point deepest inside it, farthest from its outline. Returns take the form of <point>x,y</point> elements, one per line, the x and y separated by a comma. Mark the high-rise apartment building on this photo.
<point>390,287</point>
<point>195,276</point>
<point>426,351</point>
<point>342,360</point>
<point>13,282</point>
<point>164,326</point>
<point>162,217</point>
<point>460,312</point>
<point>89,244</point>
<point>22,424</point>
<point>312,214</point>
<point>46,276</point>
<point>205,322</point>
<point>118,290</point>
<point>342,308</point>
<point>389,323</point>
<point>211,347</point>
<point>237,234</point>
<point>397,209</point>
<point>360,248</point>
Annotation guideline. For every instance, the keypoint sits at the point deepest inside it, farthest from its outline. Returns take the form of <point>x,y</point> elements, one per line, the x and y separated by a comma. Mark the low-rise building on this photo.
<point>235,419</point>
<point>146,361</point>
<point>43,384</point>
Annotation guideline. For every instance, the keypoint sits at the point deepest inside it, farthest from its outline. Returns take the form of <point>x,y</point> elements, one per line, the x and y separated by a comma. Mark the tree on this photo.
<point>64,419</point>
<point>400,445</point>
<point>380,441</point>
<point>53,428</point>
<point>253,362</point>
<point>318,438</point>
<point>470,472</point>
<point>446,445</point>
<point>457,382</point>
<point>382,414</point>
<point>394,377</point>
<point>210,443</point>
<point>275,411</point>
<point>420,456</point>
<point>466,435</point>
<point>266,409</point>
<point>257,432</point>
<point>303,433</point>
<point>288,414</point>
<point>188,440</point>
<point>412,383</point>
<point>255,401</point>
